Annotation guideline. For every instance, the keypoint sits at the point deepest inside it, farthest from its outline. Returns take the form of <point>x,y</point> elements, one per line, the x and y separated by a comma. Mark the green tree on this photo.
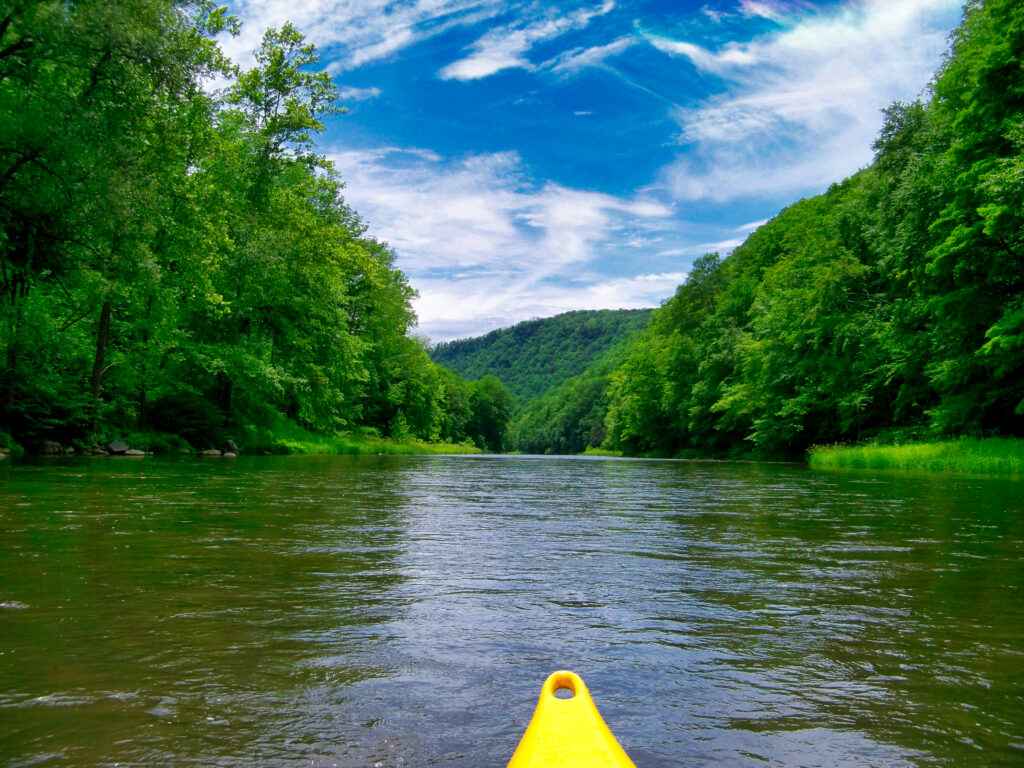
<point>975,267</point>
<point>490,405</point>
<point>86,93</point>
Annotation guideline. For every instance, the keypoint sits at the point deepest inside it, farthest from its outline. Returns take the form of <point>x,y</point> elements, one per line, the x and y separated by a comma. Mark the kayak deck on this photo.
<point>568,732</point>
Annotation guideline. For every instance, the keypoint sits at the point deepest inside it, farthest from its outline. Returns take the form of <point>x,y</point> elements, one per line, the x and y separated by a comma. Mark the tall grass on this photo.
<point>288,437</point>
<point>985,456</point>
<point>591,451</point>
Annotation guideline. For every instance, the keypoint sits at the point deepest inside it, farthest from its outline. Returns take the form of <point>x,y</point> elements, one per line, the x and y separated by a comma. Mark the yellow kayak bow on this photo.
<point>568,732</point>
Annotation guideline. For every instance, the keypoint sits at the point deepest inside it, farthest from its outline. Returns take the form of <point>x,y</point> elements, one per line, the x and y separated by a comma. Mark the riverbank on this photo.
<point>295,439</point>
<point>985,456</point>
<point>282,438</point>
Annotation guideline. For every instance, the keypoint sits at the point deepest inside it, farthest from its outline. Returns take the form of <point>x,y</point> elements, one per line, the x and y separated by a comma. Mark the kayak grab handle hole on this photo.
<point>562,685</point>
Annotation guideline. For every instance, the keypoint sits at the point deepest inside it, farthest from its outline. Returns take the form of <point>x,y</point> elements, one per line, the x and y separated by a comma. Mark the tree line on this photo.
<point>556,369</point>
<point>179,259</point>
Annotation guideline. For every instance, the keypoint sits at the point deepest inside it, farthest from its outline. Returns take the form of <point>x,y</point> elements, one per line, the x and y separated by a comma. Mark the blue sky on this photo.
<point>528,158</point>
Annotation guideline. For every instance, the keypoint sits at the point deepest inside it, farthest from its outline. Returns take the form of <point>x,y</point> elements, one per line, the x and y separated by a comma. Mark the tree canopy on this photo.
<point>890,307</point>
<point>183,260</point>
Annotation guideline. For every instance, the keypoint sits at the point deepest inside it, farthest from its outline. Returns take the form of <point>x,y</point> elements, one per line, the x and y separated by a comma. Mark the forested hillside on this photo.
<point>569,418</point>
<point>534,356</point>
<point>181,263</point>
<point>891,307</point>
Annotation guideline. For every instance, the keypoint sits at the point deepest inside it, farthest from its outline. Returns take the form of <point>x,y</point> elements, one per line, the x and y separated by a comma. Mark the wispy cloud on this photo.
<point>714,14</point>
<point>708,61</point>
<point>358,94</point>
<point>764,9</point>
<point>580,58</point>
<point>506,47</point>
<point>486,246</point>
<point>357,31</point>
<point>801,105</point>
<point>752,225</point>
<point>457,310</point>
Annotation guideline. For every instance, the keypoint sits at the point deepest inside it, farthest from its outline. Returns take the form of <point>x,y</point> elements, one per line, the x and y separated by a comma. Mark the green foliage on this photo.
<point>490,409</point>
<point>195,419</point>
<point>568,419</point>
<point>892,304</point>
<point>180,261</point>
<point>287,437</point>
<point>990,456</point>
<point>556,369</point>
<point>534,356</point>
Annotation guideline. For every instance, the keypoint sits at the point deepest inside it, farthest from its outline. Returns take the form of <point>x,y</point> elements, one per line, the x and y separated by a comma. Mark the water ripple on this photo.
<point>402,611</point>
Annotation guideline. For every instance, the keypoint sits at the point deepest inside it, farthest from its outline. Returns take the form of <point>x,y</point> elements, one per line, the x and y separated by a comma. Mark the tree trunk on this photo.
<point>144,337</point>
<point>102,335</point>
<point>12,363</point>
<point>19,287</point>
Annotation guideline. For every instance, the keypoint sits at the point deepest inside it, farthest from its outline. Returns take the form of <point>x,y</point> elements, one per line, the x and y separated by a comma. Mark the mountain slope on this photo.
<point>535,356</point>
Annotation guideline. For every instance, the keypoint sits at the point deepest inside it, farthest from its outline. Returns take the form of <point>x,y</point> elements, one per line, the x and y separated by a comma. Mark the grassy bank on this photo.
<point>987,456</point>
<point>601,452</point>
<point>287,437</point>
<point>284,437</point>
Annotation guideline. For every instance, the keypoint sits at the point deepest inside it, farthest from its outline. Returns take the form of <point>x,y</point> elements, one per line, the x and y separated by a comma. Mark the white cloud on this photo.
<point>752,225</point>
<point>716,62</point>
<point>487,247</point>
<point>506,47</point>
<point>459,317</point>
<point>716,16</point>
<point>356,31</point>
<point>802,105</point>
<point>358,94</point>
<point>580,58</point>
<point>765,10</point>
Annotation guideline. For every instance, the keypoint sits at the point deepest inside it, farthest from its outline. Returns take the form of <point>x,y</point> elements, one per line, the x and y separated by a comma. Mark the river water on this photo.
<point>403,611</point>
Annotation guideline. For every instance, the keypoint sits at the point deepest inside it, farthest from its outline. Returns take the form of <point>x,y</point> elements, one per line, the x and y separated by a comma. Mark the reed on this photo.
<point>975,456</point>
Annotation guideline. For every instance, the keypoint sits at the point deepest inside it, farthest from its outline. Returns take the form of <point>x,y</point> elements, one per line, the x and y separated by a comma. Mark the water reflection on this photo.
<point>184,609</point>
<point>402,611</point>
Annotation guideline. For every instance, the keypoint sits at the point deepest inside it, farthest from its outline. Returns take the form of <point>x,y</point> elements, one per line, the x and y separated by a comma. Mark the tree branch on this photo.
<point>21,45</point>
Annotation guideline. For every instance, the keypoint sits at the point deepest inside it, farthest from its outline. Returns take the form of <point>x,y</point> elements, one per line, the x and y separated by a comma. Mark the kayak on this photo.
<point>567,730</point>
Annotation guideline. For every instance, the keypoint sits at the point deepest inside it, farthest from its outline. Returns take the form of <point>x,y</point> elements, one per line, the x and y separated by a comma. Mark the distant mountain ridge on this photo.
<point>535,356</point>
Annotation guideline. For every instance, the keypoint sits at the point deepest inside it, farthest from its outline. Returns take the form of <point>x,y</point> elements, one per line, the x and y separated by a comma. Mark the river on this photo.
<point>402,611</point>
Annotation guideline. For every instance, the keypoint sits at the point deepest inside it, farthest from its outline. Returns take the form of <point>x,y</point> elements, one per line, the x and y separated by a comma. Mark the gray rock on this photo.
<point>70,451</point>
<point>3,456</point>
<point>232,448</point>
<point>185,451</point>
<point>134,452</point>
<point>51,448</point>
<point>99,452</point>
<point>229,455</point>
<point>212,452</point>
<point>117,447</point>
